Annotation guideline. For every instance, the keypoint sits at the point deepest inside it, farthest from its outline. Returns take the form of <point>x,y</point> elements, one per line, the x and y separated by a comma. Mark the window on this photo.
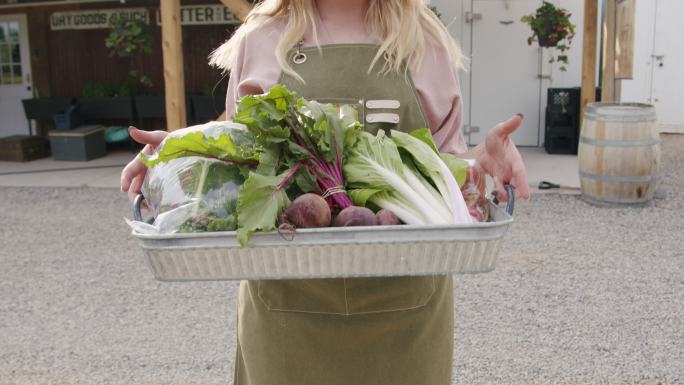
<point>10,53</point>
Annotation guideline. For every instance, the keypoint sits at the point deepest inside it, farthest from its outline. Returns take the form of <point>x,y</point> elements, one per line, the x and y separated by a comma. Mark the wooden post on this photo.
<point>239,8</point>
<point>608,81</point>
<point>589,55</point>
<point>174,79</point>
<point>624,39</point>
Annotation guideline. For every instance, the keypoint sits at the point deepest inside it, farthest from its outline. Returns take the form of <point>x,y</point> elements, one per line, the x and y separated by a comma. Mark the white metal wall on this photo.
<point>659,61</point>
<point>454,15</point>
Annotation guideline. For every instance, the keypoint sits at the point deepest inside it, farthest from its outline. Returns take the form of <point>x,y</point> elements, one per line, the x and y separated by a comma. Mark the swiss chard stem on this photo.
<point>327,183</point>
<point>289,175</point>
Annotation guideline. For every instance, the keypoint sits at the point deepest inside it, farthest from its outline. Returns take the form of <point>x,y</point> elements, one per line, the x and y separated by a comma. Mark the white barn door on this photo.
<point>658,61</point>
<point>15,78</point>
<point>505,72</point>
<point>668,63</point>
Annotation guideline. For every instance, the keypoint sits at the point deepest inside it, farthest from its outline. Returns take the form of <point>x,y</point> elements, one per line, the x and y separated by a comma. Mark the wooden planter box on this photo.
<point>83,143</point>
<point>22,148</point>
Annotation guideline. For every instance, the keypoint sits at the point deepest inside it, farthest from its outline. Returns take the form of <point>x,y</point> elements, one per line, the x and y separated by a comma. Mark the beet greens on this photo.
<point>303,145</point>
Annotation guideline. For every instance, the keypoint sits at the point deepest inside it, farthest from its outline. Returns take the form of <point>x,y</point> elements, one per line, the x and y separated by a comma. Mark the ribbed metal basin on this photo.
<point>329,252</point>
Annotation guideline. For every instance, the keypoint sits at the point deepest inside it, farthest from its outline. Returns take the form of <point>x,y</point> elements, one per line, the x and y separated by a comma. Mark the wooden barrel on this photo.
<point>619,153</point>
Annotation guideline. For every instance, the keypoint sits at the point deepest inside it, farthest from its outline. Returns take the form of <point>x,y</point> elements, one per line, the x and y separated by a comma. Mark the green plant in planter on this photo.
<point>98,89</point>
<point>551,28</point>
<point>129,37</point>
<point>104,89</point>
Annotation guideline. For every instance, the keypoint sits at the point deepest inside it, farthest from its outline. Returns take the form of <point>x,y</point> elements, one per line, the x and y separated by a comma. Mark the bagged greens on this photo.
<point>197,192</point>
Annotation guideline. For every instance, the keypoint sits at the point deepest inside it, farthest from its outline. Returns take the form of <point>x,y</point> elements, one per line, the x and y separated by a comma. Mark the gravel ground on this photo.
<point>581,295</point>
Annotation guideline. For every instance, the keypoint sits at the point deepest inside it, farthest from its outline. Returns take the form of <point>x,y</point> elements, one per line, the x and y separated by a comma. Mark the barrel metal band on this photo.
<point>615,143</point>
<point>650,117</point>
<point>618,178</point>
<point>604,199</point>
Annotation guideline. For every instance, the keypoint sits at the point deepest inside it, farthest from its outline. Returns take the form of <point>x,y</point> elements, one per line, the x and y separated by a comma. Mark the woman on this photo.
<point>397,63</point>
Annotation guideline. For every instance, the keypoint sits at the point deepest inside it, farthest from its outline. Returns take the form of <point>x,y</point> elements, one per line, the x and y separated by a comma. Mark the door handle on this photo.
<point>468,129</point>
<point>28,82</point>
<point>660,59</point>
<point>472,16</point>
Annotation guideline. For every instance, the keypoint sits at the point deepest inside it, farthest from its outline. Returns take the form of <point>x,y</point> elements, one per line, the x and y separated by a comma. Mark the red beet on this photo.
<point>386,217</point>
<point>308,210</point>
<point>354,216</point>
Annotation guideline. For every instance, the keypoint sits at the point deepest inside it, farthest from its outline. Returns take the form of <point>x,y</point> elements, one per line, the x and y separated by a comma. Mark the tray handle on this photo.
<point>137,215</point>
<point>510,204</point>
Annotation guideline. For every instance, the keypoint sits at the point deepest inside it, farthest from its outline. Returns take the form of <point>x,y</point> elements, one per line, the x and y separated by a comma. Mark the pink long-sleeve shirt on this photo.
<point>436,81</point>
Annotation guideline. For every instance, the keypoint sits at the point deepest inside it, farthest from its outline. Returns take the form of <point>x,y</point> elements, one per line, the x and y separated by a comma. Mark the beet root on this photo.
<point>308,210</point>
<point>354,216</point>
<point>386,217</point>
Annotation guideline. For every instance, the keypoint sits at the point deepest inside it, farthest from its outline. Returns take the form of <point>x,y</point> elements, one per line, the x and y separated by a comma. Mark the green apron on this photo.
<point>352,331</point>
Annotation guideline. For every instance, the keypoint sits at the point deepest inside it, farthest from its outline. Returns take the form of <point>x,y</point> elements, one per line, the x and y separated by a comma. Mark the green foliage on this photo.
<point>303,142</point>
<point>551,28</point>
<point>291,145</point>
<point>105,89</point>
<point>405,174</point>
<point>262,199</point>
<point>457,166</point>
<point>129,37</point>
<point>139,78</point>
<point>201,223</point>
<point>295,131</point>
<point>98,89</point>
<point>224,147</point>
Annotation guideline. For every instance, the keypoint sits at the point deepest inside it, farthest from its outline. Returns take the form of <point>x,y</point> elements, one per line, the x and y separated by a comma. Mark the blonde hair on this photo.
<point>404,28</point>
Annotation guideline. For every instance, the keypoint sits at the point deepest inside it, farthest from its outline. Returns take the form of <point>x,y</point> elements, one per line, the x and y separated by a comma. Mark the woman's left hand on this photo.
<point>501,159</point>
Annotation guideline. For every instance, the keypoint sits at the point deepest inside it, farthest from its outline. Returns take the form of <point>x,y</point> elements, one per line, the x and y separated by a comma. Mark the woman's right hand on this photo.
<point>133,175</point>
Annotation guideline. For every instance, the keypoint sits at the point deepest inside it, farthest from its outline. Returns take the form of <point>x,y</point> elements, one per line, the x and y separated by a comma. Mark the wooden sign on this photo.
<point>209,14</point>
<point>95,18</point>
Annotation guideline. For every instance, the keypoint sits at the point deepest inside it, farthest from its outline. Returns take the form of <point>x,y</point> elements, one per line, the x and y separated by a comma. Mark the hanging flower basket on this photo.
<point>551,28</point>
<point>129,37</point>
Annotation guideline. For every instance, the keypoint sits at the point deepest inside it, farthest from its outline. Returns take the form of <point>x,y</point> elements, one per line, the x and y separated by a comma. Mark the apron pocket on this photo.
<point>347,296</point>
<point>323,296</point>
<point>375,295</point>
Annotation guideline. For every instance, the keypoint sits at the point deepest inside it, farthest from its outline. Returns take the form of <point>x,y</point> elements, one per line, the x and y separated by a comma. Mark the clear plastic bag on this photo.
<point>194,194</point>
<point>474,191</point>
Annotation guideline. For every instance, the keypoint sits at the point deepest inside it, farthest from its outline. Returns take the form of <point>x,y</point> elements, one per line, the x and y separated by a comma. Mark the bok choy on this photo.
<point>404,173</point>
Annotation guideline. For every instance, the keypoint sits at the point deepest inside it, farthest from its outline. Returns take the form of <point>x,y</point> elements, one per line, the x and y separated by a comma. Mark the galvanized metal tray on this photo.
<point>330,252</point>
